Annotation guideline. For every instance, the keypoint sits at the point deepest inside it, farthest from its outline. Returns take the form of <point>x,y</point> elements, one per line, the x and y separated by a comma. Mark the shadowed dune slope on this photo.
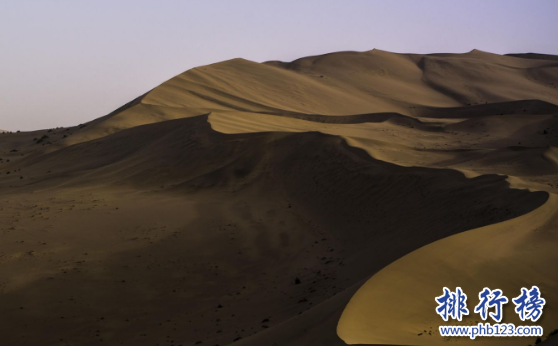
<point>531,107</point>
<point>534,56</point>
<point>218,226</point>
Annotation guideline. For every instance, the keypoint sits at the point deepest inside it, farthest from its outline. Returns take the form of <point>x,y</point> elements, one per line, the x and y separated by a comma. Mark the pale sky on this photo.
<point>65,62</point>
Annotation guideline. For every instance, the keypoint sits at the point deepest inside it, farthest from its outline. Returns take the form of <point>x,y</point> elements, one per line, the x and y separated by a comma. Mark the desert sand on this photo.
<point>286,204</point>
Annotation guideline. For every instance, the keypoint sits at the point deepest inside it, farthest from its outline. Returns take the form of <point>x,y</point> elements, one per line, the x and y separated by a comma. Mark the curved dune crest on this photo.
<point>344,83</point>
<point>219,212</point>
<point>396,306</point>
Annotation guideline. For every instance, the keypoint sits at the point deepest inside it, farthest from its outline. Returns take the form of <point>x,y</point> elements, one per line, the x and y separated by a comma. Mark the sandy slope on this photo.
<point>251,201</point>
<point>508,255</point>
<point>338,84</point>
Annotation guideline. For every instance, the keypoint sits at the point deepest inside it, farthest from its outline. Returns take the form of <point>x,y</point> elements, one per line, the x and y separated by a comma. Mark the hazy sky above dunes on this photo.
<point>67,62</point>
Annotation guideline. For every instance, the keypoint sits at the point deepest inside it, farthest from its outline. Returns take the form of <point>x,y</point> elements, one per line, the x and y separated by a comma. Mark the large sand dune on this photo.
<point>248,203</point>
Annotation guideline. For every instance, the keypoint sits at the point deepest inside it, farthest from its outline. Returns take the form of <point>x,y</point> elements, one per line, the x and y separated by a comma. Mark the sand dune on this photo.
<point>342,83</point>
<point>507,255</point>
<point>245,202</point>
<point>535,56</point>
